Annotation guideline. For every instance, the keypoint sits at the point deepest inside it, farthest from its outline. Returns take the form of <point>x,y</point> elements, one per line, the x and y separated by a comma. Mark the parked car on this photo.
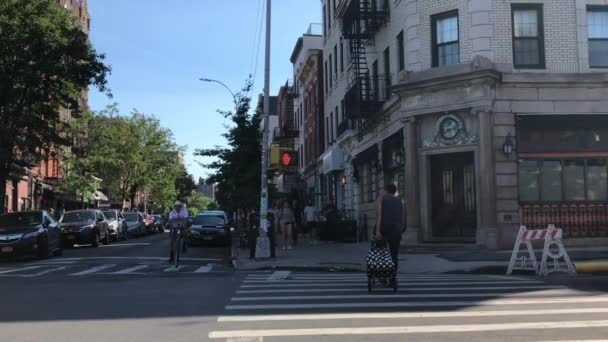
<point>29,233</point>
<point>149,223</point>
<point>85,227</point>
<point>158,223</point>
<point>211,226</point>
<point>118,226</point>
<point>135,223</point>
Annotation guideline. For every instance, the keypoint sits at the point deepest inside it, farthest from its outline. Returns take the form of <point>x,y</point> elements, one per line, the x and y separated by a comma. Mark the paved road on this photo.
<point>126,292</point>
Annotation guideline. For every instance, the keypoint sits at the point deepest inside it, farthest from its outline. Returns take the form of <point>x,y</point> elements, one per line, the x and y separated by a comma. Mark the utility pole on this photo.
<point>262,249</point>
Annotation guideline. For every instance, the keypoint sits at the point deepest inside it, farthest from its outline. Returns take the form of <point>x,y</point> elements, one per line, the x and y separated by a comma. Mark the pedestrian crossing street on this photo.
<point>78,269</point>
<point>311,306</point>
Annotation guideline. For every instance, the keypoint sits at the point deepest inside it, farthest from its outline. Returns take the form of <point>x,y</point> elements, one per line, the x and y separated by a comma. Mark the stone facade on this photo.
<point>481,97</point>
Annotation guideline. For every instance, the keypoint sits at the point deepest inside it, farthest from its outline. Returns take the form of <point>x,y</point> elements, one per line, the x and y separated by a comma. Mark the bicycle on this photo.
<point>178,242</point>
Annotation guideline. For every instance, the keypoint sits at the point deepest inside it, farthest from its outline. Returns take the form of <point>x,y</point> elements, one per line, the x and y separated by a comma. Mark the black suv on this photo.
<point>85,227</point>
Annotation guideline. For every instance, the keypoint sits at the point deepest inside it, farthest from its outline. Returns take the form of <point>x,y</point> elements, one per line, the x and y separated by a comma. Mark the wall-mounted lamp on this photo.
<point>507,146</point>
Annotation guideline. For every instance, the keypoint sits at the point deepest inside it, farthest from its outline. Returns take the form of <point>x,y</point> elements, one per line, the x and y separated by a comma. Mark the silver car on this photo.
<point>118,226</point>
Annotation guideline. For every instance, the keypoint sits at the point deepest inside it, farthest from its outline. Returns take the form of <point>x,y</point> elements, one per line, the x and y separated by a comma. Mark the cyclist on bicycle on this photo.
<point>179,213</point>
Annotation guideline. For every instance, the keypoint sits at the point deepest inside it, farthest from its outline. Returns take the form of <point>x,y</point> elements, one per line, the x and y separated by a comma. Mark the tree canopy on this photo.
<point>237,167</point>
<point>130,154</point>
<point>46,62</point>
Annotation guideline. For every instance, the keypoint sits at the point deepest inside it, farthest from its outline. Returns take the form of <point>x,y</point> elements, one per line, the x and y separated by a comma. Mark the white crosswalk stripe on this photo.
<point>76,269</point>
<point>313,305</point>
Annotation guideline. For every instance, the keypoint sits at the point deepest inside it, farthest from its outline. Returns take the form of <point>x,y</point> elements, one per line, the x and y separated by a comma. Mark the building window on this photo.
<point>330,73</point>
<point>337,120</point>
<point>331,127</point>
<point>387,72</point>
<point>446,46</point>
<point>327,131</point>
<point>328,17</point>
<point>341,55</point>
<point>570,180</point>
<point>597,26</point>
<point>325,75</point>
<point>342,109</point>
<point>375,85</point>
<point>336,61</point>
<point>401,51</point>
<point>325,21</point>
<point>373,182</point>
<point>528,42</point>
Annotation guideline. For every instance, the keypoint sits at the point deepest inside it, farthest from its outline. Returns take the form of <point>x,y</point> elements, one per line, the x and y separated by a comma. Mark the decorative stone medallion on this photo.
<point>449,130</point>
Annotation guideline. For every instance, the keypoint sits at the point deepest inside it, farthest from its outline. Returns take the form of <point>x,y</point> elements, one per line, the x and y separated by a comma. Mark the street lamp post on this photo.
<point>262,249</point>
<point>234,98</point>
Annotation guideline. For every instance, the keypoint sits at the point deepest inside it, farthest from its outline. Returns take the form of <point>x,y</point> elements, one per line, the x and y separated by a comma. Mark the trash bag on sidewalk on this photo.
<point>380,265</point>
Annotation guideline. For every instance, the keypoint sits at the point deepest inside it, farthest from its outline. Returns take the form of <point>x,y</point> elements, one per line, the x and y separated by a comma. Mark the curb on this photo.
<point>592,267</point>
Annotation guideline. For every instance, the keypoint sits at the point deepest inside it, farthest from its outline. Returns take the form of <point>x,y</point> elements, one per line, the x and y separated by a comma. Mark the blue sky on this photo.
<point>159,48</point>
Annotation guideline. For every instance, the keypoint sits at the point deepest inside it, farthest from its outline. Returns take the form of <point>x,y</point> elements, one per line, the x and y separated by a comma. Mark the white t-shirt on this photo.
<point>311,213</point>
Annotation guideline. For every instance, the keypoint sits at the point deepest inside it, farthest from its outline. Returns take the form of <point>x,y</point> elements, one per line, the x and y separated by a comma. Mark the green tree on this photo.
<point>236,167</point>
<point>198,203</point>
<point>130,153</point>
<point>46,60</point>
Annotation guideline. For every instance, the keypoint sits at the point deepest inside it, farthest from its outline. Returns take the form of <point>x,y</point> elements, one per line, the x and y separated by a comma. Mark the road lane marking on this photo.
<point>13,270</point>
<point>395,315</point>
<point>127,244</point>
<point>130,269</point>
<point>411,289</point>
<point>93,270</point>
<point>356,280</point>
<point>411,296</point>
<point>173,269</point>
<point>45,272</point>
<point>289,284</point>
<point>492,302</point>
<point>137,258</point>
<point>278,276</point>
<point>391,330</point>
<point>203,269</point>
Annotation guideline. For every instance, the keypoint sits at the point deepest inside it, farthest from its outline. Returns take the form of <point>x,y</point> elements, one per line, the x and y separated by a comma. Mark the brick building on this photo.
<point>35,188</point>
<point>486,114</point>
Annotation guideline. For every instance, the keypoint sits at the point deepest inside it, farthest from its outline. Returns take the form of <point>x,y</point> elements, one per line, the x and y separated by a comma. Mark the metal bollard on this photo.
<point>252,241</point>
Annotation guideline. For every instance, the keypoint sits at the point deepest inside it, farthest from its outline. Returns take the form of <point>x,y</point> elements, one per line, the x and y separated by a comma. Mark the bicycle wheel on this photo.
<point>177,251</point>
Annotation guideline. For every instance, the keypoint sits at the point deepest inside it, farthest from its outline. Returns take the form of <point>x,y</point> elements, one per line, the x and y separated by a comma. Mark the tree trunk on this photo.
<point>3,180</point>
<point>5,170</point>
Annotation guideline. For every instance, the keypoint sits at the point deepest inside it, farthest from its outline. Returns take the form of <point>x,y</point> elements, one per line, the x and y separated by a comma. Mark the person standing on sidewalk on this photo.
<point>390,220</point>
<point>311,214</point>
<point>287,221</point>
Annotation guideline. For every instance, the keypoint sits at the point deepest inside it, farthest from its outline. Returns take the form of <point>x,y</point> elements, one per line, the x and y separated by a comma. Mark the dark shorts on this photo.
<point>310,225</point>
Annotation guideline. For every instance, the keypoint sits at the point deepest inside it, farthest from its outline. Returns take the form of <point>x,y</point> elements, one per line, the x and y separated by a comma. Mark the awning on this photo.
<point>333,160</point>
<point>100,196</point>
<point>370,154</point>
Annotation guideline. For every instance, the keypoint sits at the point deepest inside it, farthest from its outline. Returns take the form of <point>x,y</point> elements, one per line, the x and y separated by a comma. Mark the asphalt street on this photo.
<point>128,292</point>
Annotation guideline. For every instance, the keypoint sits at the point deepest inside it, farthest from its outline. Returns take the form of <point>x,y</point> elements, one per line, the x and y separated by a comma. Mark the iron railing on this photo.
<point>578,220</point>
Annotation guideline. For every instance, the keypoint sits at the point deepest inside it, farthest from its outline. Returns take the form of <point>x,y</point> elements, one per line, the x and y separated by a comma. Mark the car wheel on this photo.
<point>95,239</point>
<point>43,248</point>
<point>106,239</point>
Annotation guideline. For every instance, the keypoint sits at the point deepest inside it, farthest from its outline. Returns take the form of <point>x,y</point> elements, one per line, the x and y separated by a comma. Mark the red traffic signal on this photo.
<point>286,159</point>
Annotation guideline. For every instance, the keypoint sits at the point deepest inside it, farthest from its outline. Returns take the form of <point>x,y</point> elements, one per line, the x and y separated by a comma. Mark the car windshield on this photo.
<point>78,216</point>
<point>110,215</point>
<point>20,219</point>
<point>209,220</point>
<point>131,217</point>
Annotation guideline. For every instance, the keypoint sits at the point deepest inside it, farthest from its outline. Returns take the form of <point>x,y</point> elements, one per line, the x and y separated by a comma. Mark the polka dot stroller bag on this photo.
<point>380,265</point>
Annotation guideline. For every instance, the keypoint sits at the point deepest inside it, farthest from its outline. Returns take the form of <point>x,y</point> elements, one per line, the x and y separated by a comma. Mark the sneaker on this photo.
<point>290,248</point>
<point>284,248</point>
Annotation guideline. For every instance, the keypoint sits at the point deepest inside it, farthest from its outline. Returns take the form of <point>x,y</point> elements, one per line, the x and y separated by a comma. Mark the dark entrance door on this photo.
<point>454,206</point>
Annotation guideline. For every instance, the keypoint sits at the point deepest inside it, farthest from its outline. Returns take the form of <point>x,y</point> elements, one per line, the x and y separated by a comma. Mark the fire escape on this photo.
<point>361,20</point>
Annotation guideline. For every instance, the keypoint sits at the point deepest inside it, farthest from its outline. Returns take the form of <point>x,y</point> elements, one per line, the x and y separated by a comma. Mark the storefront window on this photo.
<point>568,180</point>
<point>551,188</point>
<point>574,180</point>
<point>597,180</point>
<point>528,181</point>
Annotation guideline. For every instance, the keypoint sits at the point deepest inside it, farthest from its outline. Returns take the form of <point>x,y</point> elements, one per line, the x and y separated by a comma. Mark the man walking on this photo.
<point>310,213</point>
<point>390,220</point>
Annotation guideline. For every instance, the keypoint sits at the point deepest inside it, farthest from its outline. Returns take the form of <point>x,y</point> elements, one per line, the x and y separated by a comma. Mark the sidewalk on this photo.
<point>351,257</point>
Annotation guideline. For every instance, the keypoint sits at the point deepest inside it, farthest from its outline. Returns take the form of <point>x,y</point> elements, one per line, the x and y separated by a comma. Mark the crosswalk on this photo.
<point>314,305</point>
<point>79,269</point>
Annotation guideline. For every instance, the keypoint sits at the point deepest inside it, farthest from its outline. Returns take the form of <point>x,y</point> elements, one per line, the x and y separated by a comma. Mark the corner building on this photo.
<point>486,114</point>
